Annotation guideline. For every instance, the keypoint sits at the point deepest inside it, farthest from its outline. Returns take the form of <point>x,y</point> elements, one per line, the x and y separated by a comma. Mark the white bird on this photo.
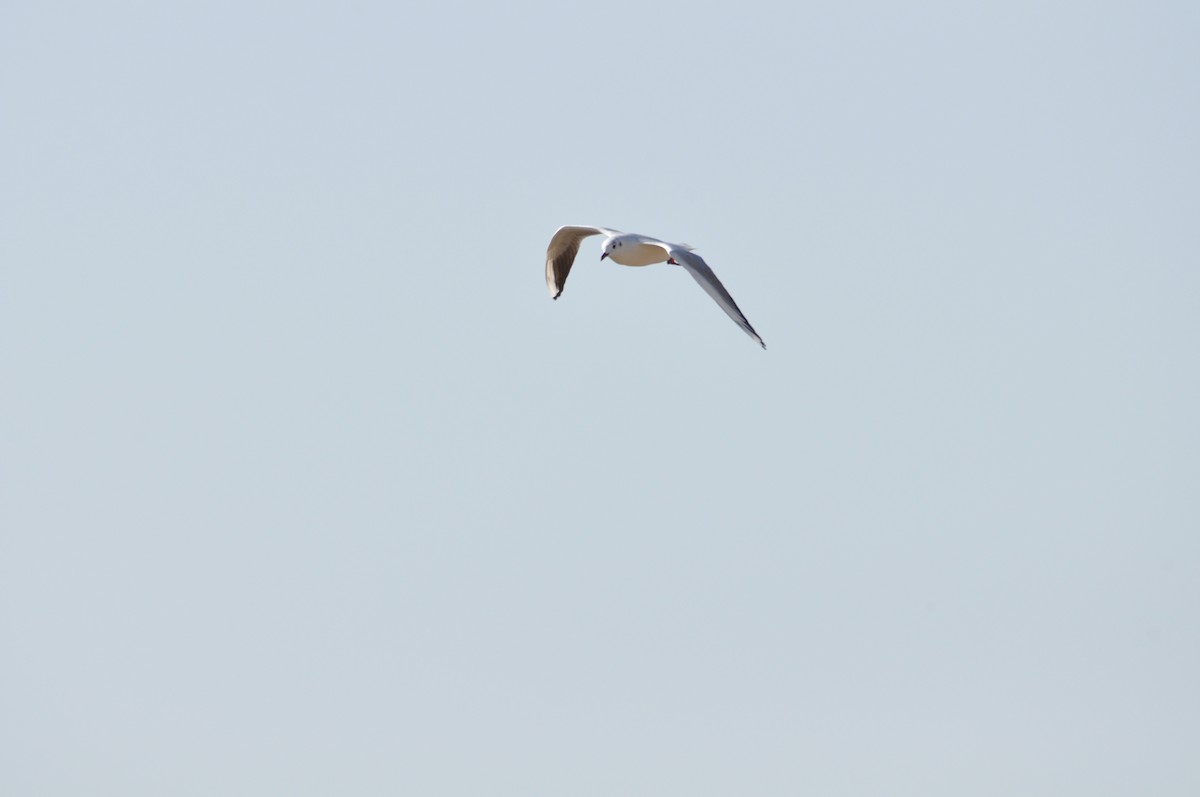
<point>631,249</point>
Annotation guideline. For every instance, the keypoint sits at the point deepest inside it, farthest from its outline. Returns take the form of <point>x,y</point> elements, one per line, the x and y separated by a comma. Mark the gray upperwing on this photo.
<point>713,287</point>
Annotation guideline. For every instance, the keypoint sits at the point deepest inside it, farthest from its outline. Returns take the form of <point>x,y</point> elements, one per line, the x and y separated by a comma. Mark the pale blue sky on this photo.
<point>309,488</point>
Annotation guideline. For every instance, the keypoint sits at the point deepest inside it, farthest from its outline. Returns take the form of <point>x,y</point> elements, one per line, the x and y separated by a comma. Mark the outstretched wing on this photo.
<point>560,255</point>
<point>713,287</point>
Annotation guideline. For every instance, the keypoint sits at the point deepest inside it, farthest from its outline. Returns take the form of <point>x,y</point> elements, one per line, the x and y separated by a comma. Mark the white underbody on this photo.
<point>639,255</point>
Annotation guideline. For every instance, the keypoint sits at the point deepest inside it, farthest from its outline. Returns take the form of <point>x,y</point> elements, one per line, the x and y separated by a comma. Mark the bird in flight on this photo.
<point>632,249</point>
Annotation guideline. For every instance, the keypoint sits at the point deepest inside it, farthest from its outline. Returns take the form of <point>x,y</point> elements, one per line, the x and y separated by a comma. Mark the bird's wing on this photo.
<point>713,287</point>
<point>561,254</point>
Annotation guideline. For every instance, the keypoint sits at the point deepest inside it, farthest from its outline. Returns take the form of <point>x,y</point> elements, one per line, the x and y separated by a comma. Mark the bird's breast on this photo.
<point>639,255</point>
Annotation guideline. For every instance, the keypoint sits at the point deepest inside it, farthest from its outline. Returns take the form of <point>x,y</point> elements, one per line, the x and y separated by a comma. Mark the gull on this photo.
<point>632,249</point>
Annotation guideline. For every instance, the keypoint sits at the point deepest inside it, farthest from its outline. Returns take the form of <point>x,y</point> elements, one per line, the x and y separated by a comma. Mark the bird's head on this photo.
<point>611,246</point>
